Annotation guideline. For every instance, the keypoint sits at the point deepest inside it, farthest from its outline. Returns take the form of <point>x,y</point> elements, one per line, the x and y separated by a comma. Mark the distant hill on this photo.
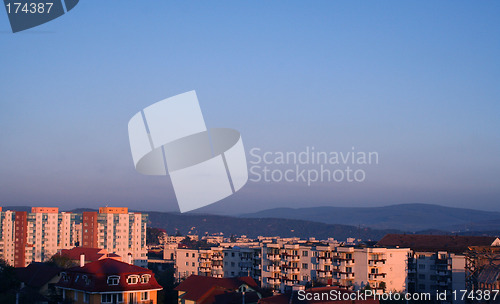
<point>253,227</point>
<point>407,217</point>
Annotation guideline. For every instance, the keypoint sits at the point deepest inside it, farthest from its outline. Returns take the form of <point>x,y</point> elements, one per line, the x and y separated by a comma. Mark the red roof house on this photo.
<point>109,281</point>
<point>207,290</point>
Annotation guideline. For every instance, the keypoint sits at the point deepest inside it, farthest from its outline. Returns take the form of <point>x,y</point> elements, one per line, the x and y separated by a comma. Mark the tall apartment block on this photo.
<point>118,231</point>
<point>35,236</point>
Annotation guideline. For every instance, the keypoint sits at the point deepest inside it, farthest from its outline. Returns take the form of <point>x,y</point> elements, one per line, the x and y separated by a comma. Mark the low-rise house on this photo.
<point>109,281</point>
<point>38,281</point>
<point>209,290</point>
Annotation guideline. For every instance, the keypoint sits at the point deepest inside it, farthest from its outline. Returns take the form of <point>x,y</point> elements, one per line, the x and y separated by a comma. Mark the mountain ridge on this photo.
<point>406,217</point>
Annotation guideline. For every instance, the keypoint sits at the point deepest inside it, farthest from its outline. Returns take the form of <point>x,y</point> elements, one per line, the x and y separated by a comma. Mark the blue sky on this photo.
<point>417,82</point>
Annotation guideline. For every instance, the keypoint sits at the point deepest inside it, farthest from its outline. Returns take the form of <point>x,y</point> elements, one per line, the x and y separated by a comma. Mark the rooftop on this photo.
<point>433,243</point>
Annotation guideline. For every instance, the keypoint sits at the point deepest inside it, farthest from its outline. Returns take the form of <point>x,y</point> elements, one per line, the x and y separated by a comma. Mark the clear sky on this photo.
<point>418,82</point>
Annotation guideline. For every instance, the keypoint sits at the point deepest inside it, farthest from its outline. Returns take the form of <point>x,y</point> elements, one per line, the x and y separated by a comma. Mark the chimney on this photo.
<point>82,260</point>
<point>129,258</point>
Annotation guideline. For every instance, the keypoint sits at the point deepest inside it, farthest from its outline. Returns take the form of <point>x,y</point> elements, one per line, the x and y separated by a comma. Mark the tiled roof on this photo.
<point>97,274</point>
<point>197,288</point>
<point>37,274</point>
<point>91,254</point>
<point>432,243</point>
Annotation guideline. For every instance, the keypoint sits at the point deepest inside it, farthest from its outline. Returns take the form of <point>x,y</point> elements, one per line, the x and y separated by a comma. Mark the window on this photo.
<point>113,280</point>
<point>86,297</point>
<point>132,279</point>
<point>193,255</point>
<point>65,276</point>
<point>421,266</point>
<point>106,298</point>
<point>304,265</point>
<point>192,264</point>
<point>187,263</point>
<point>421,276</point>
<point>304,253</point>
<point>145,278</point>
<point>187,255</point>
<point>76,295</point>
<point>145,296</point>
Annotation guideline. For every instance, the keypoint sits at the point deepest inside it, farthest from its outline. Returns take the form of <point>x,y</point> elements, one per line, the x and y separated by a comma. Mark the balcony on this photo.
<point>346,276</point>
<point>274,257</point>
<point>292,271</point>
<point>289,282</point>
<point>376,262</point>
<point>323,262</point>
<point>274,269</point>
<point>375,276</point>
<point>442,273</point>
<point>293,258</point>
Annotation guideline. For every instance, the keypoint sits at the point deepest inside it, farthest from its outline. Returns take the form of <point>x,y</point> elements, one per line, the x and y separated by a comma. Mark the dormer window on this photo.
<point>132,279</point>
<point>145,278</point>
<point>113,280</point>
<point>65,276</point>
<point>86,279</point>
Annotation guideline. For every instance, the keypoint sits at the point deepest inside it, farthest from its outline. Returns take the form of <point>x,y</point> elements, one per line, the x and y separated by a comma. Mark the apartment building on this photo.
<point>118,231</point>
<point>280,265</point>
<point>286,265</point>
<point>216,262</point>
<point>7,245</point>
<point>36,236</point>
